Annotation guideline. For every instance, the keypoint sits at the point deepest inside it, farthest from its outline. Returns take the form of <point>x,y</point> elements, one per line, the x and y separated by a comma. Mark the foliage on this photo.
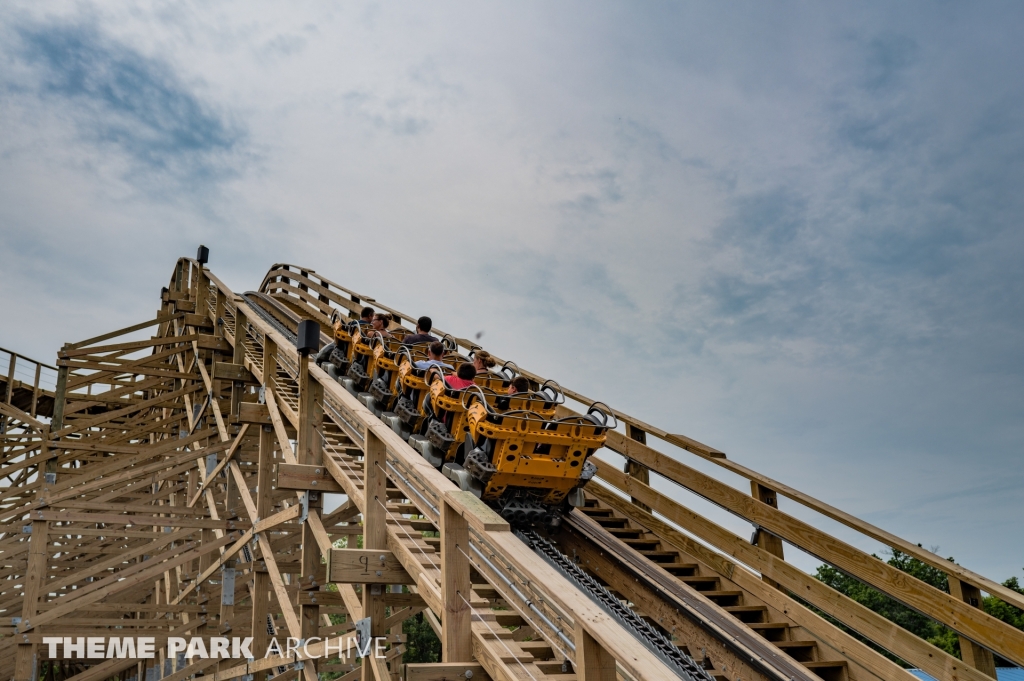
<point>422,644</point>
<point>1002,610</point>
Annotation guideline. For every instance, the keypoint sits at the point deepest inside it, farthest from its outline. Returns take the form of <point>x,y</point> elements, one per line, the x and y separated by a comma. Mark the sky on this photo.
<point>789,230</point>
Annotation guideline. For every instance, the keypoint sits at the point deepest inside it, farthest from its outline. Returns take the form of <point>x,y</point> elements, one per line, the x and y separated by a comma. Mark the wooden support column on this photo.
<point>59,396</point>
<point>308,445</point>
<point>218,314</point>
<point>456,622</point>
<point>593,662</point>
<point>238,358</point>
<point>375,536</point>
<point>309,451</point>
<point>35,392</point>
<point>35,576</point>
<point>227,596</point>
<point>636,470</point>
<point>766,541</point>
<point>976,656</point>
<point>261,578</point>
<point>9,393</point>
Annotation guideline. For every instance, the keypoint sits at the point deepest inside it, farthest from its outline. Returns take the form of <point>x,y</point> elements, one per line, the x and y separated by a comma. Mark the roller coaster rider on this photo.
<point>380,323</point>
<point>323,357</point>
<point>483,362</point>
<point>435,354</point>
<point>422,335</point>
<point>463,378</point>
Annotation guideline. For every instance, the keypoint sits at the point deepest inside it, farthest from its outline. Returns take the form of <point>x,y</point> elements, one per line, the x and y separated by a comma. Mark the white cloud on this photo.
<point>790,232</point>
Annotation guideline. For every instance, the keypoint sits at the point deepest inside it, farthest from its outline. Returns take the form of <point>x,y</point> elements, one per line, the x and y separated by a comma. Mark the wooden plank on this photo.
<point>457,618</point>
<point>375,537</point>
<point>160,319</point>
<point>634,469</point>
<point>972,654</point>
<point>208,342</point>
<point>444,671</point>
<point>283,440</point>
<point>120,348</point>
<point>366,566</point>
<point>306,477</point>
<point>479,515</point>
<point>226,371</point>
<point>593,663</point>
<point>767,541</point>
<point>199,320</point>
<point>323,598</point>
<point>251,412</point>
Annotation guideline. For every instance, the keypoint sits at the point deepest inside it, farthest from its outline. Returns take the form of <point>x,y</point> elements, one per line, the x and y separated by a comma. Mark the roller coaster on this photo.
<point>221,470</point>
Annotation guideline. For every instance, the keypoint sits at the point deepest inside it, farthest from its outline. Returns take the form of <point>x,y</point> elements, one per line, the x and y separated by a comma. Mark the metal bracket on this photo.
<point>362,633</point>
<point>227,594</point>
<point>305,508</point>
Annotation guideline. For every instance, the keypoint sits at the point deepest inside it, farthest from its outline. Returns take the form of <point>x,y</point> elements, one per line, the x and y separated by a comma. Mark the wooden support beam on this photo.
<point>299,476</point>
<point>261,578</point>
<point>456,621</point>
<point>251,412</point>
<point>976,656</point>
<point>228,371</point>
<point>25,665</point>
<point>366,566</point>
<point>766,540</point>
<point>444,671</point>
<point>635,469</point>
<point>375,537</point>
<point>593,663</point>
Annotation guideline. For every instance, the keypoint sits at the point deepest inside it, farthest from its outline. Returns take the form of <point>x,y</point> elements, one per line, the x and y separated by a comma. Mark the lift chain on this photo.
<point>656,641</point>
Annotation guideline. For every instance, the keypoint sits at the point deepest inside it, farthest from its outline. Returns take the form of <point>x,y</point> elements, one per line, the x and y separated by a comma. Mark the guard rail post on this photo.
<point>765,540</point>
<point>375,535</point>
<point>456,624</point>
<point>635,469</point>
<point>977,656</point>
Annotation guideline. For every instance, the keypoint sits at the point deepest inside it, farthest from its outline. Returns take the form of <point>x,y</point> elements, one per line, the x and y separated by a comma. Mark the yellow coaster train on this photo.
<point>508,449</point>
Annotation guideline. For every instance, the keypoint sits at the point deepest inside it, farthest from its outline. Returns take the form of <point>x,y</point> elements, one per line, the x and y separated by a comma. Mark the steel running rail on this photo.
<point>652,639</point>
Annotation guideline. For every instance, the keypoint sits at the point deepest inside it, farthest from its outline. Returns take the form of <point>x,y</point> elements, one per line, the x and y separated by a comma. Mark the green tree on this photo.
<point>1002,610</point>
<point>421,643</point>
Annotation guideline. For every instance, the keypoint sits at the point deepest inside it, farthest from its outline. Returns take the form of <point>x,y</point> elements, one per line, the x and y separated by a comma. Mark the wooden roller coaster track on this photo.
<point>170,481</point>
